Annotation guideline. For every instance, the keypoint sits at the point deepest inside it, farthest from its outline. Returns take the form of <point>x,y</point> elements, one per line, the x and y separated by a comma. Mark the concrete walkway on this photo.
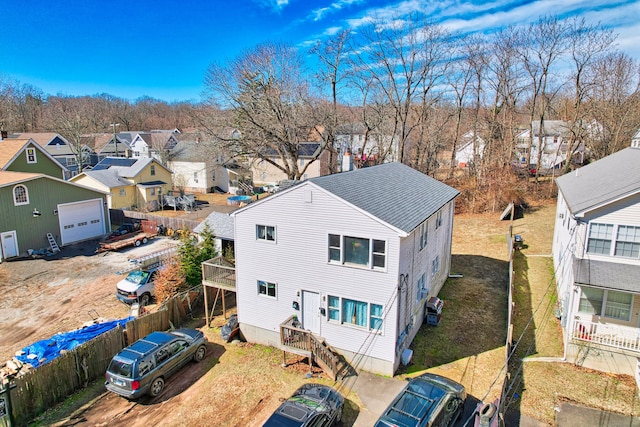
<point>375,392</point>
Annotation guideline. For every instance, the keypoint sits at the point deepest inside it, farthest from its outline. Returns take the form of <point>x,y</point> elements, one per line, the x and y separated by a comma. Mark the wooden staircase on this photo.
<point>299,341</point>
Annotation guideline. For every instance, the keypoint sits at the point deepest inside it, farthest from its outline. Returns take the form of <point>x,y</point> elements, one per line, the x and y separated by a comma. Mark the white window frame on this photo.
<point>370,314</point>
<point>421,288</point>
<point>602,311</point>
<point>435,265</point>
<point>30,154</point>
<point>424,235</point>
<point>122,192</point>
<point>263,289</point>
<point>373,254</point>
<point>612,237</point>
<point>264,237</point>
<point>438,219</point>
<point>152,170</point>
<point>17,202</point>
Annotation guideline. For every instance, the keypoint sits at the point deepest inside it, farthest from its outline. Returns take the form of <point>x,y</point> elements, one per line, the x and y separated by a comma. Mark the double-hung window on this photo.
<point>357,251</point>
<point>266,232</point>
<point>614,240</point>
<point>435,265</point>
<point>31,155</point>
<point>421,288</point>
<point>607,303</point>
<point>424,234</point>
<point>438,219</point>
<point>356,313</point>
<point>600,239</point>
<point>267,289</point>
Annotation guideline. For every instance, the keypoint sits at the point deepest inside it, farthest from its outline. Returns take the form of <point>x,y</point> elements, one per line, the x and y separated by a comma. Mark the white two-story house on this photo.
<point>596,253</point>
<point>353,256</point>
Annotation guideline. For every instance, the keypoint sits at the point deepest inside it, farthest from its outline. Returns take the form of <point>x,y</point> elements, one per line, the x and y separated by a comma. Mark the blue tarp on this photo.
<point>45,351</point>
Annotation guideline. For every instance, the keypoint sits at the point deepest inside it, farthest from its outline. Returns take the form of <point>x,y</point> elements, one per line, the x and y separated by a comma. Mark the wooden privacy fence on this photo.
<point>41,388</point>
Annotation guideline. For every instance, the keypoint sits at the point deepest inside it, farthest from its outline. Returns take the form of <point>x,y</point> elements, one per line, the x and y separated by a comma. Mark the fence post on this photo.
<point>5,403</point>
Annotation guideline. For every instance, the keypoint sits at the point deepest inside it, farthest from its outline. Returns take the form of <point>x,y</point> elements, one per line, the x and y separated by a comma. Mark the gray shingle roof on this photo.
<point>609,275</point>
<point>393,192</point>
<point>605,180</point>
<point>220,223</point>
<point>107,177</point>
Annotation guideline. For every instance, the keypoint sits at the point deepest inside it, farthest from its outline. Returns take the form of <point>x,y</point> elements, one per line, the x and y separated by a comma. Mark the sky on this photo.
<point>162,48</point>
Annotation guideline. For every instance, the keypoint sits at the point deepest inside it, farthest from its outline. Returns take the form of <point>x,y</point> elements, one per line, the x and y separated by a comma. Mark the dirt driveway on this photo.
<point>41,297</point>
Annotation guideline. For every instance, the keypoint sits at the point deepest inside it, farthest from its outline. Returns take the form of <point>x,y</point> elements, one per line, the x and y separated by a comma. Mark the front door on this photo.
<point>9,242</point>
<point>311,311</point>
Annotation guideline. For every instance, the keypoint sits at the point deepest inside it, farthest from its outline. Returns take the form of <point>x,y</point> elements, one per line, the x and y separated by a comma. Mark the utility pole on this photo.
<point>115,138</point>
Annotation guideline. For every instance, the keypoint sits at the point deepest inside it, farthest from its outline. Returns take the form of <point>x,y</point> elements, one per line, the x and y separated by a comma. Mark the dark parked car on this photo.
<point>144,366</point>
<point>428,400</point>
<point>311,405</point>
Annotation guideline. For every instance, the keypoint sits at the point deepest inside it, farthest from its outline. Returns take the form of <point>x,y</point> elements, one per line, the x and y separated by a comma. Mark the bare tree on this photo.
<point>268,94</point>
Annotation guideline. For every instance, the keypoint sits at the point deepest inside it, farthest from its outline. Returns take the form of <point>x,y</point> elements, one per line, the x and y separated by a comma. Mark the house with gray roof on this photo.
<point>132,183</point>
<point>596,255</point>
<point>221,225</point>
<point>350,259</point>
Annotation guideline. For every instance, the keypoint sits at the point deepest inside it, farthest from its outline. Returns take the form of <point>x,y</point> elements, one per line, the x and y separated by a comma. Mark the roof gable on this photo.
<point>602,182</point>
<point>11,148</point>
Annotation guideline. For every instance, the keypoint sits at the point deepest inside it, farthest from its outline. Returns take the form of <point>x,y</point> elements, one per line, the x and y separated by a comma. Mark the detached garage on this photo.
<point>81,221</point>
<point>32,205</point>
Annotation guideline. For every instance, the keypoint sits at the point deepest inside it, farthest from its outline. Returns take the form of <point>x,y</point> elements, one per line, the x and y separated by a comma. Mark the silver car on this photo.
<point>144,366</point>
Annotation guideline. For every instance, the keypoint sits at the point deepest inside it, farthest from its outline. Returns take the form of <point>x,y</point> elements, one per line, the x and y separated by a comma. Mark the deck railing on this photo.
<point>219,273</point>
<point>294,337</point>
<point>622,337</point>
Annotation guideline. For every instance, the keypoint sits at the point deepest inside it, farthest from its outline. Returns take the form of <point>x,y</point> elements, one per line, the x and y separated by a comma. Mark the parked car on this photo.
<point>427,400</point>
<point>311,405</point>
<point>270,188</point>
<point>138,287</point>
<point>144,366</point>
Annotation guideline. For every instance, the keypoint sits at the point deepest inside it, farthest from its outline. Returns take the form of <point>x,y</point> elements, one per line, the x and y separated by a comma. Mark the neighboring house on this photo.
<point>102,145</point>
<point>153,144</point>
<point>221,225</point>
<point>34,204</point>
<point>196,165</point>
<point>554,145</point>
<point>635,140</point>
<point>25,155</point>
<point>470,149</point>
<point>265,173</point>
<point>58,147</point>
<point>132,183</point>
<point>596,254</point>
<point>354,256</point>
<point>363,147</point>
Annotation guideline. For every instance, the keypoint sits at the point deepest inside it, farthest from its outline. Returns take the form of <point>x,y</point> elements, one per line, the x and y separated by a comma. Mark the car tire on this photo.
<point>138,243</point>
<point>144,300</point>
<point>200,353</point>
<point>156,388</point>
<point>144,241</point>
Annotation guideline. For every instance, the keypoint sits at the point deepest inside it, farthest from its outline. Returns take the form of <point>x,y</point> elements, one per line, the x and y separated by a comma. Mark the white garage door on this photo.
<point>81,221</point>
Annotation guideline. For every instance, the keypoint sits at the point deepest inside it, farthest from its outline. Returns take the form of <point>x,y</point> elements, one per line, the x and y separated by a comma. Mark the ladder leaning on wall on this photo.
<point>52,243</point>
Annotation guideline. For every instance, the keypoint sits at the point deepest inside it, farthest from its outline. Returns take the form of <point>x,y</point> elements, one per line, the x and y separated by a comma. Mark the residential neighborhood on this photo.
<point>352,213</point>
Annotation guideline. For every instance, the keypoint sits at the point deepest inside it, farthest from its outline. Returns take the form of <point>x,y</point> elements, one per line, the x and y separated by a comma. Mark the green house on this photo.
<point>34,204</point>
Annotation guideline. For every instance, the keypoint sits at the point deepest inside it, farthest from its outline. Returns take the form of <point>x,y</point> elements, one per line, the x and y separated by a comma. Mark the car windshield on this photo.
<point>121,368</point>
<point>138,277</point>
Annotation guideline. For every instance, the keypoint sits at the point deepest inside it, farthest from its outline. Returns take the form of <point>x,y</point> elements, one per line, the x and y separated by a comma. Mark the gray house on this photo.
<point>596,255</point>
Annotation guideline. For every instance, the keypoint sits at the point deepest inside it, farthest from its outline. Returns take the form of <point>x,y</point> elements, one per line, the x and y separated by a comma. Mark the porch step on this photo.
<point>52,243</point>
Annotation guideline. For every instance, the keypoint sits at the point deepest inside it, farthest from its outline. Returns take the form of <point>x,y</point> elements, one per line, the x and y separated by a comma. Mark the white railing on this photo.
<point>622,337</point>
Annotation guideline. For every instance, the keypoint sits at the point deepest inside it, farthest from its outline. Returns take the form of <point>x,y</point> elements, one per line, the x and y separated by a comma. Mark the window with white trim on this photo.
<point>435,265</point>
<point>614,240</point>
<point>267,289</point>
<point>152,170</point>
<point>355,313</point>
<point>122,192</point>
<point>607,303</point>
<point>438,219</point>
<point>424,234</point>
<point>266,232</point>
<point>31,155</point>
<point>20,195</point>
<point>348,250</point>
<point>421,288</point>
